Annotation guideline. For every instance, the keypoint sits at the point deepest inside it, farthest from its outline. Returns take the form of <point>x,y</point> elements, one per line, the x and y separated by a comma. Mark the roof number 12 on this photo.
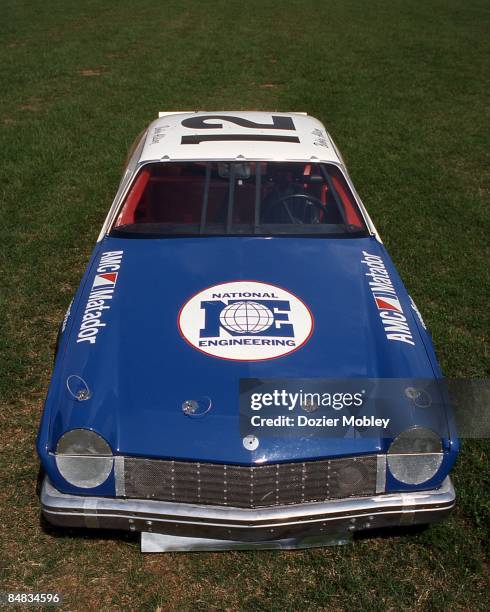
<point>279,122</point>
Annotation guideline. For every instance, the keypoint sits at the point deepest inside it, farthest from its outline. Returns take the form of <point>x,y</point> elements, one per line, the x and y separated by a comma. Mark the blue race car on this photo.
<point>241,365</point>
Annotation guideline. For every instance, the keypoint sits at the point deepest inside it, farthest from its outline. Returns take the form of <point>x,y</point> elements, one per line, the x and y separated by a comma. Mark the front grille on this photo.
<point>249,487</point>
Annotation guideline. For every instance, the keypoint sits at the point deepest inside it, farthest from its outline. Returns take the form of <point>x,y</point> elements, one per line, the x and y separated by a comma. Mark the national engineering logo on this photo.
<point>245,321</point>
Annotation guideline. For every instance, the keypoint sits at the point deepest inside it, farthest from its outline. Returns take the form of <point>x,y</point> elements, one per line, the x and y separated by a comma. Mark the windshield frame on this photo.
<point>256,229</point>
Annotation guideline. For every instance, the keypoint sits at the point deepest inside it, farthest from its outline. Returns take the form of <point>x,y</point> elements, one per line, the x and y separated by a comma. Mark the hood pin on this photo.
<point>78,388</point>
<point>196,408</point>
<point>250,442</point>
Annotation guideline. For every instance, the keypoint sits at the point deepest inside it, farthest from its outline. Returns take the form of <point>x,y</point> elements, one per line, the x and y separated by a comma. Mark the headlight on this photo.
<point>415,455</point>
<point>84,458</point>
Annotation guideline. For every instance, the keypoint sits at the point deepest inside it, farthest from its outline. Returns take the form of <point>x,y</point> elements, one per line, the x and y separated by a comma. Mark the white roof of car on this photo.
<point>237,135</point>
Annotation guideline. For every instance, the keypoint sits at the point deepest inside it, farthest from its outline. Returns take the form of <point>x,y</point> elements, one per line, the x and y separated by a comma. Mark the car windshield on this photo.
<point>239,198</point>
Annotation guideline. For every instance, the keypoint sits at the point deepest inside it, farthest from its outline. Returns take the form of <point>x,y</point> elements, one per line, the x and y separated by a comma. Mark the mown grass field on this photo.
<point>403,87</point>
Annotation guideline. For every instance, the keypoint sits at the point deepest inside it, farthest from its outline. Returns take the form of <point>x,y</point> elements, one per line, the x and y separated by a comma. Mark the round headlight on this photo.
<point>415,455</point>
<point>84,458</point>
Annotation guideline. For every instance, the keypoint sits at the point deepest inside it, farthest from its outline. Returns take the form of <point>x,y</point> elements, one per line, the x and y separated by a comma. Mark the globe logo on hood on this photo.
<point>246,317</point>
<point>245,321</point>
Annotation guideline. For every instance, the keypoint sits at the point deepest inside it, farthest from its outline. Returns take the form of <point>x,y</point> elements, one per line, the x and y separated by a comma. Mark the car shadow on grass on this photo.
<point>389,533</point>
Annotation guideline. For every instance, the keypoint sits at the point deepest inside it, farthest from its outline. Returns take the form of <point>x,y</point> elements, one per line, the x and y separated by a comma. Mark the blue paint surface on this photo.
<point>140,370</point>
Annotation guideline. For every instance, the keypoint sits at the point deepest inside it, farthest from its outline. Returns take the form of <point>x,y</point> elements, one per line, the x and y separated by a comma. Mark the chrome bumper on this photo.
<point>279,523</point>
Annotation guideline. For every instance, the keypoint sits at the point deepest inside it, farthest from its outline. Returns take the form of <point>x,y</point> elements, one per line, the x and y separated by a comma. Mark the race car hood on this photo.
<point>155,340</point>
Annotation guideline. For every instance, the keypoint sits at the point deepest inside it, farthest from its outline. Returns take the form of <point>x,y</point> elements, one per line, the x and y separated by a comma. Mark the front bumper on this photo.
<point>299,522</point>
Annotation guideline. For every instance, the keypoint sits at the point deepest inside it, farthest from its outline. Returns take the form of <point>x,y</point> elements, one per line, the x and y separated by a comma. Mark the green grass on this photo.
<point>403,87</point>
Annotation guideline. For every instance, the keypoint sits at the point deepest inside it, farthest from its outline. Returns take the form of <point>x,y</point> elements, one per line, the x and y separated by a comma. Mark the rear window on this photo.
<point>235,198</point>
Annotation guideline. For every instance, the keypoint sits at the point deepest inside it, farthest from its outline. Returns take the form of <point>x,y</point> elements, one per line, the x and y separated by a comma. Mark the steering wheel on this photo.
<point>310,202</point>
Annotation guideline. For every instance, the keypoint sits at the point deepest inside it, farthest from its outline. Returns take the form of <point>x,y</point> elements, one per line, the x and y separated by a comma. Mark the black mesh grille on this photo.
<point>250,487</point>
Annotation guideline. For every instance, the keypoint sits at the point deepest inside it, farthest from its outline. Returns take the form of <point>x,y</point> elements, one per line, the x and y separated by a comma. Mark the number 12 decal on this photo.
<point>198,123</point>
